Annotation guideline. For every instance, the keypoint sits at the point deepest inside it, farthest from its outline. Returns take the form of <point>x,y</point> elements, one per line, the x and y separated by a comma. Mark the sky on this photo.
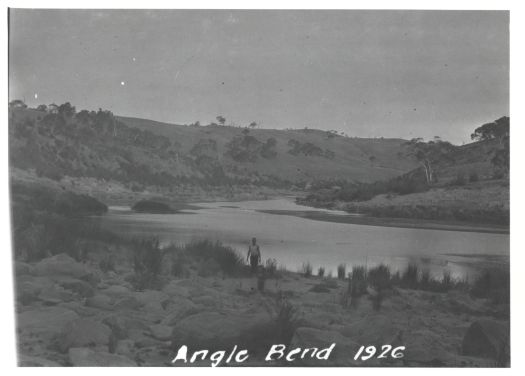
<point>366,73</point>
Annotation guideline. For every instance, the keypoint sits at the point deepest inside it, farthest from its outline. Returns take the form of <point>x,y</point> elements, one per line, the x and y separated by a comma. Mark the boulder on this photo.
<point>46,322</point>
<point>22,268</point>
<point>100,301</point>
<point>178,310</point>
<point>175,288</point>
<point>151,296</point>
<point>120,325</point>
<point>116,291</point>
<point>83,332</point>
<point>83,357</point>
<point>161,332</point>
<point>55,294</point>
<point>214,330</point>
<point>125,347</point>
<point>487,338</point>
<point>127,302</point>
<point>35,361</point>
<point>62,264</point>
<point>78,286</point>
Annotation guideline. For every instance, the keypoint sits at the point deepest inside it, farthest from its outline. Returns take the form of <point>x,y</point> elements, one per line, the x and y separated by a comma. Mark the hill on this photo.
<point>453,183</point>
<point>144,155</point>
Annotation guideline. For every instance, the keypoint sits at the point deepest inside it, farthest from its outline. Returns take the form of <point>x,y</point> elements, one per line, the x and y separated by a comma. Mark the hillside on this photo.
<point>143,155</point>
<point>468,183</point>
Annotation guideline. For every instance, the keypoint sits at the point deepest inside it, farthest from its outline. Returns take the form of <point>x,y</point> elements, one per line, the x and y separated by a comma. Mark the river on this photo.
<point>293,240</point>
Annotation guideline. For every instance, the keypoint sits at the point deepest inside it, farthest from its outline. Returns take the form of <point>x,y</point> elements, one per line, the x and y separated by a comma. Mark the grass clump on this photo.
<point>379,279</point>
<point>341,271</point>
<point>270,268</point>
<point>216,257</point>
<point>147,263</point>
<point>493,284</point>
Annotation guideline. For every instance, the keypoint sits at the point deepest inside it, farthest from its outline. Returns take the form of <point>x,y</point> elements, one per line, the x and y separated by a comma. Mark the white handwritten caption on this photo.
<point>278,352</point>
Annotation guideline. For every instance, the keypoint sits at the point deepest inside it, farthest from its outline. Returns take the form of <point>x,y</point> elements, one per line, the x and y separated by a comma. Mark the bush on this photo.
<point>493,284</point>
<point>410,277</point>
<point>320,272</point>
<point>226,258</point>
<point>147,263</point>
<point>357,283</point>
<point>152,207</point>
<point>307,269</point>
<point>341,271</point>
<point>379,277</point>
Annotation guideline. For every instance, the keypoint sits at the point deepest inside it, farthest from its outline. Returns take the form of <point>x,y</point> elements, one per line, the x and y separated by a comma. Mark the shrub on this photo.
<point>286,320</point>
<point>410,277</point>
<point>493,284</point>
<point>341,271</point>
<point>425,280</point>
<point>357,283</point>
<point>379,277</point>
<point>226,258</point>
<point>147,263</point>
<point>307,269</point>
<point>320,272</point>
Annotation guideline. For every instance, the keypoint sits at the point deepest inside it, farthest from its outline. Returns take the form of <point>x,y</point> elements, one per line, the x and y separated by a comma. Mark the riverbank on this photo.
<point>358,219</point>
<point>73,313</point>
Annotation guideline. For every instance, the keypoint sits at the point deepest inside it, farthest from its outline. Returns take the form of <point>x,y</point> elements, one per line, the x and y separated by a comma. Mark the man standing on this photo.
<point>254,255</point>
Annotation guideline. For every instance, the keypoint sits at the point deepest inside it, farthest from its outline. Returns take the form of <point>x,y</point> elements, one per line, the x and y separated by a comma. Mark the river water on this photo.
<point>293,240</point>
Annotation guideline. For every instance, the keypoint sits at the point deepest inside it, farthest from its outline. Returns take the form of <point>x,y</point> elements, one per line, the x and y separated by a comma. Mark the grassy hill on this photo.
<point>142,153</point>
<point>467,186</point>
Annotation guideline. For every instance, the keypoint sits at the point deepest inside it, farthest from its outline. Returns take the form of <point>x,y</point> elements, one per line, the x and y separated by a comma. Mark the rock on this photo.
<point>310,337</point>
<point>28,288</point>
<point>178,310</point>
<point>62,264</point>
<point>125,347</point>
<point>142,339</point>
<point>128,302</point>
<point>487,338</point>
<point>151,296</point>
<point>35,361</point>
<point>161,332</point>
<point>100,301</point>
<point>55,294</point>
<point>75,285</point>
<point>174,288</point>
<point>83,357</point>
<point>214,330</point>
<point>116,291</point>
<point>206,300</point>
<point>120,325</point>
<point>83,332</point>
<point>22,268</point>
<point>46,322</point>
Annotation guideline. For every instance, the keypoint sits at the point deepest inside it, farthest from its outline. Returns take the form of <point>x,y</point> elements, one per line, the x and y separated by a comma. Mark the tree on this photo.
<point>253,124</point>
<point>221,119</point>
<point>428,153</point>
<point>17,103</point>
<point>42,107</point>
<point>498,129</point>
<point>67,110</point>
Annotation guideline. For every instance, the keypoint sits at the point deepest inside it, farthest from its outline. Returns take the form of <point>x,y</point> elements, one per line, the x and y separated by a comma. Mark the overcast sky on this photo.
<point>367,73</point>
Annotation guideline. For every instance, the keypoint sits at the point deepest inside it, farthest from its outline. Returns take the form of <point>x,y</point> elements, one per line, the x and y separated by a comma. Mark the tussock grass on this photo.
<point>341,271</point>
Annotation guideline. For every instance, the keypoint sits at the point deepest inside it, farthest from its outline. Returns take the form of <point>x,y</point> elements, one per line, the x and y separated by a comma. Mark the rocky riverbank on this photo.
<point>73,314</point>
